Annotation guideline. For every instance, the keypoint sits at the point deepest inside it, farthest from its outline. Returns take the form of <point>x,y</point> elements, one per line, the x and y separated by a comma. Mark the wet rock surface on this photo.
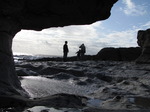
<point>97,85</point>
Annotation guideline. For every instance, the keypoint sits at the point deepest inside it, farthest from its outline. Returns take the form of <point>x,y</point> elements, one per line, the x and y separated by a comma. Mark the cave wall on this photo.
<point>16,15</point>
<point>40,14</point>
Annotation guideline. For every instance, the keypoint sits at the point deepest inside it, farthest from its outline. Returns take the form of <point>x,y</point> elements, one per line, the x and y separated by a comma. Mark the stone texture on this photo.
<point>143,40</point>
<point>119,54</point>
<point>57,101</point>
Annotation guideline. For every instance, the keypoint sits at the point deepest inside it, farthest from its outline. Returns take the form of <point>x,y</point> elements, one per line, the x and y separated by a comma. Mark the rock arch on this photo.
<point>37,15</point>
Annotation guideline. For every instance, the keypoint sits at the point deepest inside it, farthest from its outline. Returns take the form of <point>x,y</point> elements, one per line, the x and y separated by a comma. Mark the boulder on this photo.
<point>143,40</point>
<point>119,54</point>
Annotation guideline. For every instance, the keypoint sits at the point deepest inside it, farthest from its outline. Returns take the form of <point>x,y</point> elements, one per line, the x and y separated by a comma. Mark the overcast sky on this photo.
<point>119,30</point>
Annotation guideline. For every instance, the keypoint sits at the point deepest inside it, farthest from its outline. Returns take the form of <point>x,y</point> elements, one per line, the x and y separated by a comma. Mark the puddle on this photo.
<point>38,87</point>
<point>41,87</point>
<point>94,103</point>
<point>90,103</point>
<point>47,109</point>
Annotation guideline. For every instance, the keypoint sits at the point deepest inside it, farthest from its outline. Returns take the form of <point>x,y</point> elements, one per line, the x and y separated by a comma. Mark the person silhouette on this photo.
<point>82,51</point>
<point>78,54</point>
<point>65,51</point>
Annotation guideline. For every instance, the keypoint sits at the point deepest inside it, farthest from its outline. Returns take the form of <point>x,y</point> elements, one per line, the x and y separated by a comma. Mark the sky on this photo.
<point>119,30</point>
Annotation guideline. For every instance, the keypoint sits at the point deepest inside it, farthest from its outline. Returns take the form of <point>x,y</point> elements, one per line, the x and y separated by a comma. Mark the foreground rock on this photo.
<point>111,79</point>
<point>93,86</point>
<point>19,103</point>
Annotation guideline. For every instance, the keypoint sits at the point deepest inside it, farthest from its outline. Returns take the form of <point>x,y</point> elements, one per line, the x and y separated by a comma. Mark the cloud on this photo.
<point>126,38</point>
<point>122,39</point>
<point>147,25</point>
<point>133,9</point>
<point>95,37</point>
<point>50,41</point>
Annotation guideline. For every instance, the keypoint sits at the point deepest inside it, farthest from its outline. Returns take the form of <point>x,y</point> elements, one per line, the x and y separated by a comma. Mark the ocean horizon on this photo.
<point>22,56</point>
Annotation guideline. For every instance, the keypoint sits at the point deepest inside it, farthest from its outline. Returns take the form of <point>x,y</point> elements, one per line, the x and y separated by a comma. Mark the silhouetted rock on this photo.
<point>119,54</point>
<point>143,37</point>
<point>60,101</point>
<point>108,54</point>
<point>37,15</point>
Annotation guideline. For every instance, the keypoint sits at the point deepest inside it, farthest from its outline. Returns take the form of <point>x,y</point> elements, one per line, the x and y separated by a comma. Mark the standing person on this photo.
<point>65,51</point>
<point>78,54</point>
<point>82,51</point>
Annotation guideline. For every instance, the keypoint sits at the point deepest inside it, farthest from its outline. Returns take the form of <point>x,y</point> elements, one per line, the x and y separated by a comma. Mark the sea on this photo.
<point>24,57</point>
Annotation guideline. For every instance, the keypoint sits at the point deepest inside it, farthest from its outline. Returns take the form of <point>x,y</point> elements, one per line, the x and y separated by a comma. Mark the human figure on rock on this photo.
<point>78,54</point>
<point>82,51</point>
<point>65,51</point>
